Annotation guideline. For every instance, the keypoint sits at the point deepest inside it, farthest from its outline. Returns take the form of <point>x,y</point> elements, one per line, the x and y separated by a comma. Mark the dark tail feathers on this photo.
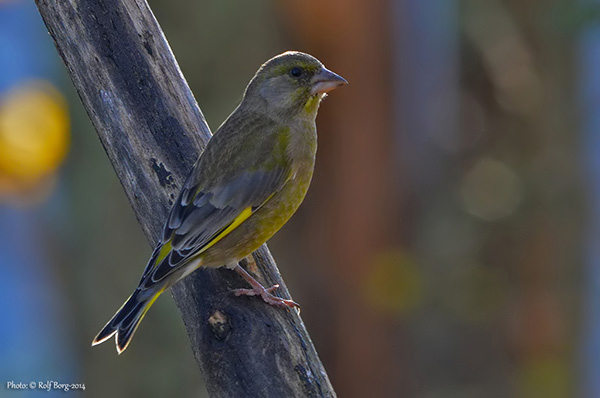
<point>125,322</point>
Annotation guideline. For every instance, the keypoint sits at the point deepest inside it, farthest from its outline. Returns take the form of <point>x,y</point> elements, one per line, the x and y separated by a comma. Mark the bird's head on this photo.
<point>292,83</point>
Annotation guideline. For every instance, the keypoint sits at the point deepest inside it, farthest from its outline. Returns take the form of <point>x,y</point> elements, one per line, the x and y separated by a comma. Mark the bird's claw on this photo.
<point>267,296</point>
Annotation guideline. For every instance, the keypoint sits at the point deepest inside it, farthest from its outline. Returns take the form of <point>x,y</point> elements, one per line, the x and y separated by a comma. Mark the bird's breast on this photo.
<point>276,211</point>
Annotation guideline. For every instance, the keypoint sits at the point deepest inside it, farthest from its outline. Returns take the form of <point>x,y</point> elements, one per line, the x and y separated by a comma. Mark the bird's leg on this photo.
<point>259,290</point>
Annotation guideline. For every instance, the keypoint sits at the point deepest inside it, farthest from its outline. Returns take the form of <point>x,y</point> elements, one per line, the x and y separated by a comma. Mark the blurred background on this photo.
<point>449,245</point>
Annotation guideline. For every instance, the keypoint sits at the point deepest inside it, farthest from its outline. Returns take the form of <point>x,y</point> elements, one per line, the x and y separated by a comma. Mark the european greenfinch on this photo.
<point>247,183</point>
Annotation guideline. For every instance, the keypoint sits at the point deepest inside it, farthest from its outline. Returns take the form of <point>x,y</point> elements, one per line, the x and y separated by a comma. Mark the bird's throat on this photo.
<point>312,105</point>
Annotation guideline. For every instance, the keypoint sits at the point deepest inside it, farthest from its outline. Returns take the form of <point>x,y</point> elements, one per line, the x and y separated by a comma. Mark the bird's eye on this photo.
<point>296,72</point>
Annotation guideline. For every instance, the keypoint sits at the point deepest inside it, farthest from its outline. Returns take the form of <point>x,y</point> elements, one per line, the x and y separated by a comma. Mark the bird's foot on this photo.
<point>259,290</point>
<point>267,297</point>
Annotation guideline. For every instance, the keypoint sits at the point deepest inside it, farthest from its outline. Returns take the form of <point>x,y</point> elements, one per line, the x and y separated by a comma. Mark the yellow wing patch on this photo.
<point>164,252</point>
<point>243,216</point>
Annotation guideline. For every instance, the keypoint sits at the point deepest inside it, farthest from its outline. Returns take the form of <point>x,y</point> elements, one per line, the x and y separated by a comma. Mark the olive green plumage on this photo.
<point>250,179</point>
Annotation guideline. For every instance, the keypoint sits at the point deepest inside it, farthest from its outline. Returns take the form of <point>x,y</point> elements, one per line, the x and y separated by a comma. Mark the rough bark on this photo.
<point>152,131</point>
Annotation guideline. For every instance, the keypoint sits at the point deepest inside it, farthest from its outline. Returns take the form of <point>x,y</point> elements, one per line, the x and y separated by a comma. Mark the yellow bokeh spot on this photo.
<point>34,135</point>
<point>394,283</point>
<point>547,376</point>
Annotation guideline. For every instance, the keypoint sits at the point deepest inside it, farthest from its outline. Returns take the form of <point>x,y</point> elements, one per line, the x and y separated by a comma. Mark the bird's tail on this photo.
<point>127,319</point>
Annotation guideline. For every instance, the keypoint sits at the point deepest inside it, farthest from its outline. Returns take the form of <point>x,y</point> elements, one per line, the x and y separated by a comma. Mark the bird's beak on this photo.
<point>325,81</point>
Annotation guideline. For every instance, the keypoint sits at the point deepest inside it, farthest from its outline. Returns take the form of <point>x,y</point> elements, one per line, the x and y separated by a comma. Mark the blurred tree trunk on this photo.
<point>355,165</point>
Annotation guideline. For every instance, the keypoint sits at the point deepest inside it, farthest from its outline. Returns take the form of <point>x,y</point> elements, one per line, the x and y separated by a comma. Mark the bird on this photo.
<point>250,179</point>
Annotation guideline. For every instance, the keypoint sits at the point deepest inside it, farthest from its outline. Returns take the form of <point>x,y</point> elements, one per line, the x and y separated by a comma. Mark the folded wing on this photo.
<point>214,201</point>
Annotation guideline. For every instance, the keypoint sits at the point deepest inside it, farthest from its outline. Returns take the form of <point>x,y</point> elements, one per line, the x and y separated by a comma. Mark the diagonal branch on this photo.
<point>153,131</point>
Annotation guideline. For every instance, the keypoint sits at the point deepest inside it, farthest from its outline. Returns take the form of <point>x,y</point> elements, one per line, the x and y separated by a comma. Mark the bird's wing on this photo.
<point>213,202</point>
